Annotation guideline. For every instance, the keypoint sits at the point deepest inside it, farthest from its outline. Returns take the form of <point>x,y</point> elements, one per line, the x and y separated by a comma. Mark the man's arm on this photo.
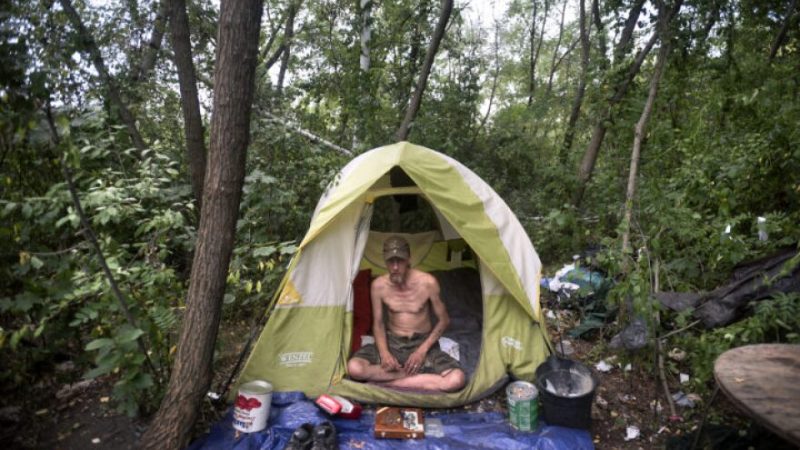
<point>388,361</point>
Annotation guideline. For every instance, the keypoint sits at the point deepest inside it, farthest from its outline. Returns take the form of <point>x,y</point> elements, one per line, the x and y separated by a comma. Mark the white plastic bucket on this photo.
<point>251,410</point>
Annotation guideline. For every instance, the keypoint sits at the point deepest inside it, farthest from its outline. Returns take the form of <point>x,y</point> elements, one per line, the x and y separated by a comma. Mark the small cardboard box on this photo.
<point>399,423</point>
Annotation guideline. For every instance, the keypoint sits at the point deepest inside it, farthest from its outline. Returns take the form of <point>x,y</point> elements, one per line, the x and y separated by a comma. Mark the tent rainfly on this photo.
<point>306,341</point>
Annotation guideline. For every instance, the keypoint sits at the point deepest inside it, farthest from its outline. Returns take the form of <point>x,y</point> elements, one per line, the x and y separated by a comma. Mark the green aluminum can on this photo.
<point>523,405</point>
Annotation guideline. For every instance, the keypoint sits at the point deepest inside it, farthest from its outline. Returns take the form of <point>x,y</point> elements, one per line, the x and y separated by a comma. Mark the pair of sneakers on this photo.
<point>308,437</point>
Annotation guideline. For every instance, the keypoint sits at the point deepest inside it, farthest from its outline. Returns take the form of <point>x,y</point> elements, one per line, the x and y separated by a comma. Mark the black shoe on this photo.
<point>302,438</point>
<point>325,437</point>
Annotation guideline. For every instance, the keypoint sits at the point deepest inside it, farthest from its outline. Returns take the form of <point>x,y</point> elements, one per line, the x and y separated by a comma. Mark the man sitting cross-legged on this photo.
<point>407,354</point>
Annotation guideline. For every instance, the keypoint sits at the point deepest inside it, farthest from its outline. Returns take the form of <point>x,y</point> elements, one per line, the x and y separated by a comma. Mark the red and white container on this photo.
<point>339,406</point>
<point>251,410</point>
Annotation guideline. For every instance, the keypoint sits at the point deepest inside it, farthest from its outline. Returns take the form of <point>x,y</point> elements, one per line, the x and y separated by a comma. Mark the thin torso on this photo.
<point>408,307</point>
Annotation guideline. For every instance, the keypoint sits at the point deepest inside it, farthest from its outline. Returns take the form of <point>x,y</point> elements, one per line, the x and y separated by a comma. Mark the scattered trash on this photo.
<point>603,366</point>
<point>550,314</point>
<point>628,367</point>
<point>434,428</point>
<point>684,378</point>
<point>681,399</point>
<point>555,284</point>
<point>631,433</point>
<point>601,402</point>
<point>633,337</point>
<point>96,441</point>
<point>677,354</point>
<point>70,390</point>
<point>211,395</point>
<point>106,399</point>
<point>42,412</point>
<point>655,406</point>
<point>762,229</point>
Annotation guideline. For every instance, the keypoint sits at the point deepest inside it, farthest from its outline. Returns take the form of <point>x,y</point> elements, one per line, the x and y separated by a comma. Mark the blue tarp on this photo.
<point>463,430</point>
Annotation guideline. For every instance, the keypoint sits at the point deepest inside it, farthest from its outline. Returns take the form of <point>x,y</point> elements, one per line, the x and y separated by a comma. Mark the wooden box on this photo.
<point>399,423</point>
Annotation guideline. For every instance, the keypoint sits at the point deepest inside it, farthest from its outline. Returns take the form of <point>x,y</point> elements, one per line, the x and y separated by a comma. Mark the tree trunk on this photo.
<point>416,99</point>
<point>638,137</point>
<point>532,38</point>
<point>366,34</point>
<point>190,104</point>
<point>599,131</point>
<point>366,93</point>
<point>288,35</point>
<point>555,50</point>
<point>97,59</point>
<point>578,102</point>
<point>154,45</point>
<point>626,38</point>
<point>234,75</point>
<point>535,54</point>
<point>495,77</point>
<point>601,34</point>
<point>776,44</point>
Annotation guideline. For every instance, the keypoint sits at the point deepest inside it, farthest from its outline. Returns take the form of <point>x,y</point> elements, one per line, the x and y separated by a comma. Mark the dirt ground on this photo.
<point>81,415</point>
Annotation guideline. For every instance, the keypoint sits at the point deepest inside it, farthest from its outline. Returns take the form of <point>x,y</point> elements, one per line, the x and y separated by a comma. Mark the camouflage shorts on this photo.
<point>436,361</point>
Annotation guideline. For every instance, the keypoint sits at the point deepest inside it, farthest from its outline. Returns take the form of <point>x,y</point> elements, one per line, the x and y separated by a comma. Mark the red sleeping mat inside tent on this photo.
<point>362,308</point>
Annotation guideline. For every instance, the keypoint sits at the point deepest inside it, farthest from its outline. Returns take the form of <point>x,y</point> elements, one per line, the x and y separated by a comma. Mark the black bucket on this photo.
<point>566,391</point>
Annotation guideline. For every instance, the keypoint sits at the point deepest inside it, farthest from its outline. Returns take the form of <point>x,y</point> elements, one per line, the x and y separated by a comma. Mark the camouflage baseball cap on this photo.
<point>396,247</point>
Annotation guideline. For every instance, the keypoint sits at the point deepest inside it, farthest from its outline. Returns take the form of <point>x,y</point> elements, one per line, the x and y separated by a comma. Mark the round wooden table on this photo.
<point>764,381</point>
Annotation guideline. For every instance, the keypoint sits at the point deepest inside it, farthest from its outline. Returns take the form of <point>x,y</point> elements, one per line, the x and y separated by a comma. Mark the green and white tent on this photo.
<point>306,342</point>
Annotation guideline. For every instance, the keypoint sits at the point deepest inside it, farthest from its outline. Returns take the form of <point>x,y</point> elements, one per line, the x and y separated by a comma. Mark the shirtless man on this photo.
<point>407,355</point>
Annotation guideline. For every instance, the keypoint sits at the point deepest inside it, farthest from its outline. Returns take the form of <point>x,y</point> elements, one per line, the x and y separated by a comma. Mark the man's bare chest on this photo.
<point>407,301</point>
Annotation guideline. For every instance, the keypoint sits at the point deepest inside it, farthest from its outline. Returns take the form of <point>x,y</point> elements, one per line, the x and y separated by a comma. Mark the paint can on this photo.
<point>523,405</point>
<point>251,410</point>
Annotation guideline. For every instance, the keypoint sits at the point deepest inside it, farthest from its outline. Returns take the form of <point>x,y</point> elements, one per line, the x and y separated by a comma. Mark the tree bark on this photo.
<point>601,34</point>
<point>599,131</point>
<point>416,99</point>
<point>535,53</point>
<point>626,38</point>
<point>555,50</point>
<point>776,44</point>
<point>495,77</point>
<point>234,75</point>
<point>97,59</point>
<point>366,34</point>
<point>288,35</point>
<point>532,38</point>
<point>581,90</point>
<point>190,104</point>
<point>638,137</point>
<point>154,45</point>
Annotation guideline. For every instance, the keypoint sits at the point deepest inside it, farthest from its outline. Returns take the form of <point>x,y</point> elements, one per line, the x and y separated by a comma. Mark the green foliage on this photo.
<point>772,320</point>
<point>59,296</point>
<point>720,151</point>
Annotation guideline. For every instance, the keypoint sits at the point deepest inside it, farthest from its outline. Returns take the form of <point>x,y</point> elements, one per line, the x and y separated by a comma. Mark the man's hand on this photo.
<point>389,362</point>
<point>415,361</point>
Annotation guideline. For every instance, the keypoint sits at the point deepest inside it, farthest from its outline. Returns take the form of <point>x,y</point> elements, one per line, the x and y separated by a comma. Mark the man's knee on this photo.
<point>453,380</point>
<point>356,368</point>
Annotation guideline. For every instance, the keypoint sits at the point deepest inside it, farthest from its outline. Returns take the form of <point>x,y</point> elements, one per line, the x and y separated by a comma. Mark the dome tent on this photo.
<point>306,342</point>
